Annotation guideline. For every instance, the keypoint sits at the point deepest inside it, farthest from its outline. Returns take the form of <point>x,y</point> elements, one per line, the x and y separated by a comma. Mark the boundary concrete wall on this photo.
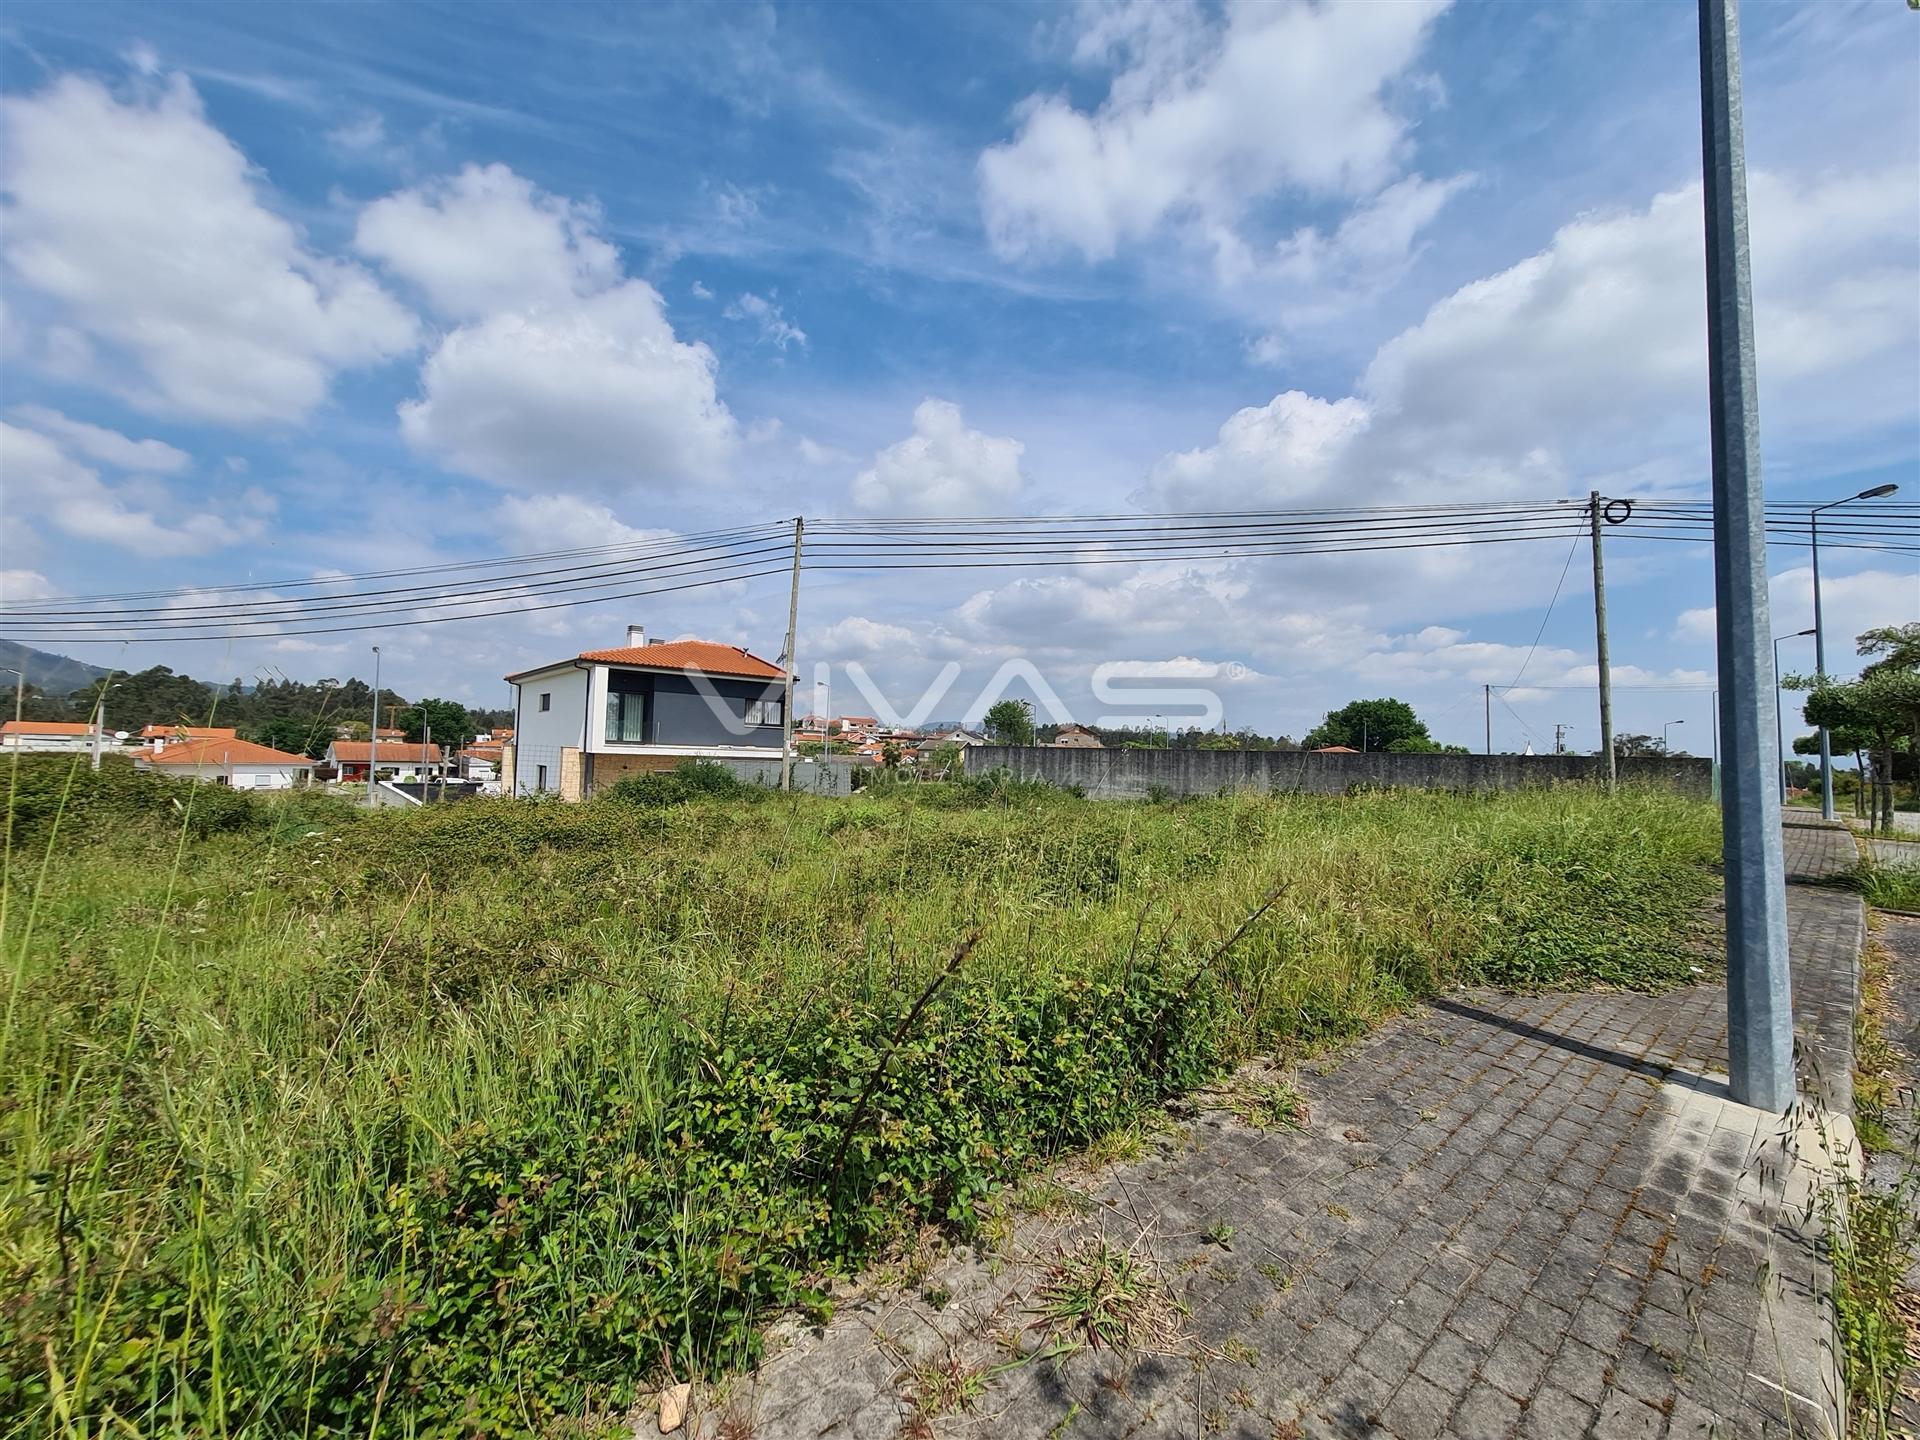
<point>1135,774</point>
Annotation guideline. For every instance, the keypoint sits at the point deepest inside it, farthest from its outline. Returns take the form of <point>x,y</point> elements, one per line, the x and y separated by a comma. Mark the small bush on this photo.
<point>688,781</point>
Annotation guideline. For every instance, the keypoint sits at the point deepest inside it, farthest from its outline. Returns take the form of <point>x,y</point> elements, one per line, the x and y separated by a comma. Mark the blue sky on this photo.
<point>394,285</point>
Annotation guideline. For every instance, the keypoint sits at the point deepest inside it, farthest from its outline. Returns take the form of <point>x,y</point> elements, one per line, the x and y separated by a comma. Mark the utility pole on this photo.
<point>793,622</point>
<point>373,735</point>
<point>1608,766</point>
<point>1560,737</point>
<point>1486,700</point>
<point>1759,984</point>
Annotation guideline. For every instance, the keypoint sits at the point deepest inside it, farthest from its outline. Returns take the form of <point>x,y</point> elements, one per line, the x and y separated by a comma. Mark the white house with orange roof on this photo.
<point>226,760</point>
<point>594,717</point>
<point>49,735</point>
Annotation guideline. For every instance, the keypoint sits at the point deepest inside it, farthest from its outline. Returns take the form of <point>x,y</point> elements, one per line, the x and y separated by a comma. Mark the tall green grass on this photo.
<point>476,1119</point>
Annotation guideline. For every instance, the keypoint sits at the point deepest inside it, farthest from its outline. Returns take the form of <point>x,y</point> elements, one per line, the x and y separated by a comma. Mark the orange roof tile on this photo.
<point>705,655</point>
<point>222,751</point>
<point>356,752</point>
<point>189,732</point>
<point>44,727</point>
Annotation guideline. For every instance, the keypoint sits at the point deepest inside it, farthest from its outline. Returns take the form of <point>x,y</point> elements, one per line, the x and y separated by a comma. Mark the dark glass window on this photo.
<point>627,709</point>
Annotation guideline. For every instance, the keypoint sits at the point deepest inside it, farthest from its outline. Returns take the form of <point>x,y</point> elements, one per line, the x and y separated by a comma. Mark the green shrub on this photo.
<point>688,781</point>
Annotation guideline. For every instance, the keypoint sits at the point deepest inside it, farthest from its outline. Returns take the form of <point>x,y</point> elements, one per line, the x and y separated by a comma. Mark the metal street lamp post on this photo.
<point>1820,634</point>
<point>100,725</point>
<point>373,734</point>
<point>1664,730</point>
<point>1779,720</point>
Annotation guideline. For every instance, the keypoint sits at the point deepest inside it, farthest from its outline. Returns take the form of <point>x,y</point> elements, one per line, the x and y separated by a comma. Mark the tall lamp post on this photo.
<point>1779,720</point>
<point>100,724</point>
<point>373,734</point>
<point>1665,729</point>
<point>1878,492</point>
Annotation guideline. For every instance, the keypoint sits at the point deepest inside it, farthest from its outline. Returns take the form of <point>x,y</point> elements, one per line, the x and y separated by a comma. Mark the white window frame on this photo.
<point>763,712</point>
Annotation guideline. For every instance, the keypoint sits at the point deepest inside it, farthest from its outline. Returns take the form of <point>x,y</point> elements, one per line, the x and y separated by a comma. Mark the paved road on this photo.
<point>1506,1215</point>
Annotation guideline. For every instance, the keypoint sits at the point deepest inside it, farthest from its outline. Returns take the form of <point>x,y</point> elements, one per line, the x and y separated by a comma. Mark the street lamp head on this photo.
<point>1798,634</point>
<point>1878,492</point>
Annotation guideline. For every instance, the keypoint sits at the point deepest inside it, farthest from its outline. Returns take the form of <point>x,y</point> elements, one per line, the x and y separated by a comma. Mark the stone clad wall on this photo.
<point>1134,774</point>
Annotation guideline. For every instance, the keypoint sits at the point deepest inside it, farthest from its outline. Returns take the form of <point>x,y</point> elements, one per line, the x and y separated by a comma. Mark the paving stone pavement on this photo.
<point>1504,1215</point>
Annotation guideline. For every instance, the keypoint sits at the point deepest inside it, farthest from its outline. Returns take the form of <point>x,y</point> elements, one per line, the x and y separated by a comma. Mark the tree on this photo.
<point>296,734</point>
<point>1370,725</point>
<point>452,726</point>
<point>1878,714</point>
<point>1626,746</point>
<point>1009,722</point>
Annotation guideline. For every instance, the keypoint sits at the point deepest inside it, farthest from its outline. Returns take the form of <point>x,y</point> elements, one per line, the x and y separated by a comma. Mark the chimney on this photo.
<point>636,636</point>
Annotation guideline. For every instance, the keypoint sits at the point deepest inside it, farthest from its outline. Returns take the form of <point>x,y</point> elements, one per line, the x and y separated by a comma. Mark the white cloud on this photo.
<point>597,396</point>
<point>943,468</point>
<point>818,455</point>
<point>148,226</point>
<point>109,447</point>
<point>700,292</point>
<point>775,329</point>
<point>561,373</point>
<point>1584,364</point>
<point>43,480</point>
<point>487,240</point>
<point>1202,120</point>
<point>564,522</point>
<point>20,586</point>
<point>1852,603</point>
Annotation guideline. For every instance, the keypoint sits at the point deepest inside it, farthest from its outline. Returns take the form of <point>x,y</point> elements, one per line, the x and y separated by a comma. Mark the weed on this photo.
<point>465,1120</point>
<point>946,1386</point>
<point>1101,1295</point>
<point>1220,1233</point>
<point>1240,1352</point>
<point>1888,886</point>
<point>1265,1103</point>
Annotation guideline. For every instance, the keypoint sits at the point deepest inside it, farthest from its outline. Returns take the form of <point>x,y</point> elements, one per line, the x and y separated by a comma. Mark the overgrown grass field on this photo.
<point>477,1120</point>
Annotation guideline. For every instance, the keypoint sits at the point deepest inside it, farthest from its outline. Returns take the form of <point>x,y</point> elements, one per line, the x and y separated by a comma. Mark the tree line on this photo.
<point>297,716</point>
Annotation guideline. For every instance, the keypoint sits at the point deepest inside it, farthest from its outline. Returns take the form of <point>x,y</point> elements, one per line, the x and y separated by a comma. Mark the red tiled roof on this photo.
<point>45,727</point>
<point>1336,750</point>
<point>357,752</point>
<point>220,750</point>
<point>189,732</point>
<point>704,655</point>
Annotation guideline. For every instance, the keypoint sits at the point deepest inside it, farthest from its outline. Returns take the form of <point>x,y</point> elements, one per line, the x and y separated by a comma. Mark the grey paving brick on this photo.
<point>1485,1411</point>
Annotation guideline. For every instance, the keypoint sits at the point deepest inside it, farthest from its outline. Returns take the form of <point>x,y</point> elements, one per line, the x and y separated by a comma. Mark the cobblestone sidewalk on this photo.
<point>1504,1215</point>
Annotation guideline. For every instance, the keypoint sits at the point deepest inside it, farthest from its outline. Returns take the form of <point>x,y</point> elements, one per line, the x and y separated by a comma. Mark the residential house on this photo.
<point>55,735</point>
<point>594,717</point>
<point>396,759</point>
<point>480,760</point>
<point>154,738</point>
<point>225,760</point>
<point>1076,737</point>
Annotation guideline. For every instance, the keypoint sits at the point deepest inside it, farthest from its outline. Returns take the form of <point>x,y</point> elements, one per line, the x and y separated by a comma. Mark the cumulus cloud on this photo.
<point>1584,363</point>
<point>42,479</point>
<point>565,522</point>
<point>943,468</point>
<point>20,586</point>
<point>153,233</point>
<point>560,372</point>
<point>1205,119</point>
<point>487,240</point>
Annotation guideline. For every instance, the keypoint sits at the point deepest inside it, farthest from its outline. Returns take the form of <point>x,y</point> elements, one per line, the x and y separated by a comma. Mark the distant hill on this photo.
<point>50,674</point>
